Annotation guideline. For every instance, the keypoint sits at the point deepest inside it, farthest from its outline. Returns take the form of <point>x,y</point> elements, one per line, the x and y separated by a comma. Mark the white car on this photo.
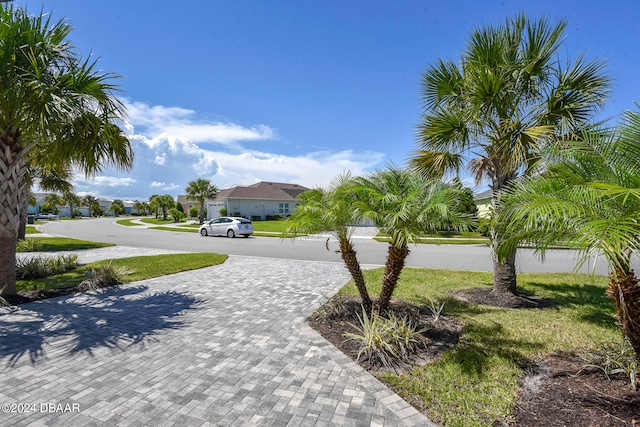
<point>227,226</point>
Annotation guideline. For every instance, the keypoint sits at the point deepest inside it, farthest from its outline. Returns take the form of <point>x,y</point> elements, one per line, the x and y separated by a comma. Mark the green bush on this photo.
<point>38,267</point>
<point>223,212</point>
<point>176,215</point>
<point>104,276</point>
<point>615,358</point>
<point>29,245</point>
<point>194,212</point>
<point>484,226</point>
<point>385,341</point>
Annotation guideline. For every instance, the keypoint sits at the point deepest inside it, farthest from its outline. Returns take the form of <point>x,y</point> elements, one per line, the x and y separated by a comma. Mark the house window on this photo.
<point>284,208</point>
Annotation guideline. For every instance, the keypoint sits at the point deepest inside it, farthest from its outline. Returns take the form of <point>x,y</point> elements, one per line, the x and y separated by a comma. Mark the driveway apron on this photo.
<point>221,346</point>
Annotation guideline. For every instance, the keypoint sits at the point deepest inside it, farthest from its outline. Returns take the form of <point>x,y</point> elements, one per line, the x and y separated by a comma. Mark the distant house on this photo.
<point>483,203</point>
<point>255,201</point>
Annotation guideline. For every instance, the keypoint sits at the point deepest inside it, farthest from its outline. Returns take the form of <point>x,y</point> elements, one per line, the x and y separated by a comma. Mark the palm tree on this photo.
<point>71,199</point>
<point>590,199</point>
<point>200,190</point>
<point>139,206</point>
<point>90,202</point>
<point>53,200</point>
<point>405,205</point>
<point>164,202</point>
<point>507,99</point>
<point>331,210</point>
<point>53,102</point>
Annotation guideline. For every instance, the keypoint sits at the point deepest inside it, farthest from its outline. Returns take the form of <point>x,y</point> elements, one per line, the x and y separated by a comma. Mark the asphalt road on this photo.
<point>370,252</point>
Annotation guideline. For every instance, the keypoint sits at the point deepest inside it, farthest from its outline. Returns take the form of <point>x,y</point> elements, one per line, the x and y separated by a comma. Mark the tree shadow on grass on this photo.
<point>599,308</point>
<point>473,355</point>
<point>115,318</point>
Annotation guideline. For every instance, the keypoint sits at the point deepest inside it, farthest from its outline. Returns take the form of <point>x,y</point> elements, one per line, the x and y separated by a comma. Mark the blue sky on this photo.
<point>297,91</point>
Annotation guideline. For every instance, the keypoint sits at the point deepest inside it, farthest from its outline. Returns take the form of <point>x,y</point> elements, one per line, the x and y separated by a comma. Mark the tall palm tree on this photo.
<point>54,102</point>
<point>332,210</point>
<point>405,205</point>
<point>590,199</point>
<point>200,190</point>
<point>495,110</point>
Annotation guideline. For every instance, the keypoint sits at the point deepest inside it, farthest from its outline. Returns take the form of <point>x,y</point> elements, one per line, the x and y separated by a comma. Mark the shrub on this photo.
<point>274,217</point>
<point>29,245</point>
<point>385,341</point>
<point>223,212</point>
<point>615,359</point>
<point>176,215</point>
<point>484,226</point>
<point>194,212</point>
<point>38,267</point>
<point>62,263</point>
<point>332,306</point>
<point>104,276</point>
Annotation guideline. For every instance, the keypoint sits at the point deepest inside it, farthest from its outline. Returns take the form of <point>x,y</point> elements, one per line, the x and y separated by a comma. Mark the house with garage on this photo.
<point>259,201</point>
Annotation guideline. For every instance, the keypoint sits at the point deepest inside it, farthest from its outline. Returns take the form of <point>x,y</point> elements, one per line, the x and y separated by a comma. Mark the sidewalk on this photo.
<point>219,346</point>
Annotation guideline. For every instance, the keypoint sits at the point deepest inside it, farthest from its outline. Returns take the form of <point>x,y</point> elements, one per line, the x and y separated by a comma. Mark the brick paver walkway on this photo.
<point>221,346</point>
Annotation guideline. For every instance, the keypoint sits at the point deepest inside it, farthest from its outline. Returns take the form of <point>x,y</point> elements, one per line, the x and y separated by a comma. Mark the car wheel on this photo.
<point>203,232</point>
<point>230,233</point>
<point>245,235</point>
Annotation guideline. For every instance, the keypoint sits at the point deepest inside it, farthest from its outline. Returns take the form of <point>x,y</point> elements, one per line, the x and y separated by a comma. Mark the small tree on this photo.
<point>201,190</point>
<point>332,210</point>
<point>164,203</point>
<point>117,207</point>
<point>506,100</point>
<point>73,200</point>
<point>405,205</point>
<point>590,199</point>
<point>193,212</point>
<point>176,215</point>
<point>223,211</point>
<point>53,201</point>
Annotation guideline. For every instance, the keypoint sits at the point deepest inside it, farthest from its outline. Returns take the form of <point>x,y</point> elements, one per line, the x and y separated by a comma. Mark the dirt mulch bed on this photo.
<point>24,297</point>
<point>438,336</point>
<point>556,391</point>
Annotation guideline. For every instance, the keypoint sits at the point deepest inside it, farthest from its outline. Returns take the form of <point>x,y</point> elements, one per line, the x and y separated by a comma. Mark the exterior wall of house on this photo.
<point>484,208</point>
<point>251,208</point>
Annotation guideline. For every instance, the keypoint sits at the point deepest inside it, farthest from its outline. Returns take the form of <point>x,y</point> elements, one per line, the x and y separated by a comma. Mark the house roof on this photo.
<point>263,190</point>
<point>484,195</point>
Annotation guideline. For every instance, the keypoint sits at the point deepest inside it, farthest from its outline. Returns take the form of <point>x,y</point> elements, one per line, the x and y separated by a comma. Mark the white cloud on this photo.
<point>172,147</point>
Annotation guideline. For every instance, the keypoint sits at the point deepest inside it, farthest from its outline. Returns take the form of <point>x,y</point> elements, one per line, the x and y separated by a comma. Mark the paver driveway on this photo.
<point>225,346</point>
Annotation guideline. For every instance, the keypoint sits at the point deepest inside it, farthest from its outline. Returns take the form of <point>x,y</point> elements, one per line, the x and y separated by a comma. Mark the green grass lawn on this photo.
<point>157,221</point>
<point>476,383</point>
<point>53,244</point>
<point>31,229</point>
<point>142,267</point>
<point>269,226</point>
<point>127,223</point>
<point>185,229</point>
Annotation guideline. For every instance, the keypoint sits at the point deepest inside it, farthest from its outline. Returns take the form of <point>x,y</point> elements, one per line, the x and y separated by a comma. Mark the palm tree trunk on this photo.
<point>504,275</point>
<point>12,173</point>
<point>625,292</point>
<point>395,263</point>
<point>504,272</point>
<point>351,261</point>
